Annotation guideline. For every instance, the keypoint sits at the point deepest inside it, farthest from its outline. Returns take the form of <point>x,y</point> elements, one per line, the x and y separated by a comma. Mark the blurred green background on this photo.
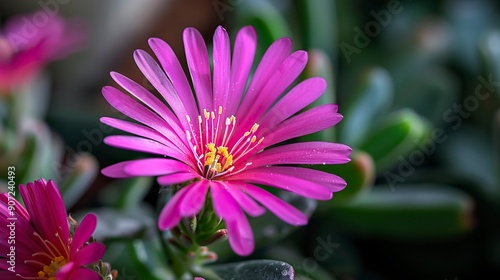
<point>417,83</point>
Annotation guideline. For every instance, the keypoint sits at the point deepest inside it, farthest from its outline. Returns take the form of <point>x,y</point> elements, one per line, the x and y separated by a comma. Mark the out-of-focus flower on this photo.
<point>39,242</point>
<point>222,140</point>
<point>28,42</point>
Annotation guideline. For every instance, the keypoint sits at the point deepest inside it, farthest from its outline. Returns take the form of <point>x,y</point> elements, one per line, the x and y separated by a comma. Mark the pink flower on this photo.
<point>28,42</point>
<point>43,246</point>
<point>223,141</point>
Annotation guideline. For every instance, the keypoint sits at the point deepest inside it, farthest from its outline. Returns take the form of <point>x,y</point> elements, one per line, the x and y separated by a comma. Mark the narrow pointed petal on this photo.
<point>177,178</point>
<point>278,207</point>
<point>145,145</point>
<point>239,230</point>
<point>137,129</point>
<point>331,181</point>
<point>295,100</point>
<point>91,253</point>
<point>194,199</point>
<point>271,176</point>
<point>281,79</point>
<point>304,153</point>
<point>83,232</point>
<point>313,120</point>
<point>159,80</point>
<point>41,190</point>
<point>246,203</point>
<point>221,65</point>
<point>272,59</point>
<point>147,98</point>
<point>170,214</point>
<point>243,55</point>
<point>172,67</point>
<point>199,67</point>
<point>76,273</point>
<point>138,112</point>
<point>145,167</point>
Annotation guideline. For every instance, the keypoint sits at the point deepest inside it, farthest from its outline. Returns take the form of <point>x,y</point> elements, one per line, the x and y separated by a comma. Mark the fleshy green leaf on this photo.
<point>410,212</point>
<point>396,137</point>
<point>372,96</point>
<point>255,269</point>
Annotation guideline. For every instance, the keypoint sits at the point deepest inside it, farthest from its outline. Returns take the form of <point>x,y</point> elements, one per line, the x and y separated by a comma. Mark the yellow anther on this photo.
<point>212,115</point>
<point>211,147</point>
<point>246,134</point>
<point>199,119</point>
<point>229,162</point>
<point>233,119</point>
<point>254,127</point>
<point>218,167</point>
<point>223,151</point>
<point>253,139</point>
<point>228,121</point>
<point>206,114</point>
<point>260,141</point>
<point>220,110</point>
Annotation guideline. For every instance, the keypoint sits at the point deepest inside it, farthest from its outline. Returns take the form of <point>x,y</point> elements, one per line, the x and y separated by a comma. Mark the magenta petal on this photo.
<point>313,120</point>
<point>331,181</point>
<point>147,98</point>
<point>304,153</point>
<point>155,166</point>
<point>242,61</point>
<point>177,178</point>
<point>272,59</point>
<point>32,195</point>
<point>145,145</point>
<point>89,254</point>
<point>194,199</point>
<point>221,67</point>
<point>273,176</point>
<point>295,100</point>
<point>145,167</point>
<point>137,129</point>
<point>64,273</point>
<point>281,209</point>
<point>156,76</point>
<point>138,112</point>
<point>76,273</point>
<point>83,232</point>
<point>282,78</point>
<point>175,73</point>
<point>199,67</point>
<point>239,231</point>
<point>240,235</point>
<point>245,202</point>
<point>170,214</point>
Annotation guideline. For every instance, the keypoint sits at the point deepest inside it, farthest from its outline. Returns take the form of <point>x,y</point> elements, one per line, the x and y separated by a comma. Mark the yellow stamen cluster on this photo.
<point>50,270</point>
<point>217,159</point>
<point>210,141</point>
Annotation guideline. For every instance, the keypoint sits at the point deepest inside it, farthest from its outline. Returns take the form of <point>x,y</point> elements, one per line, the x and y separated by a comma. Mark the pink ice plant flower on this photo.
<point>28,42</point>
<point>41,241</point>
<point>222,138</point>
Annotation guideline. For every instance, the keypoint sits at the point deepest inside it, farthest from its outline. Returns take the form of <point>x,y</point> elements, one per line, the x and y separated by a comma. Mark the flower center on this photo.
<point>212,147</point>
<point>49,271</point>
<point>51,255</point>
